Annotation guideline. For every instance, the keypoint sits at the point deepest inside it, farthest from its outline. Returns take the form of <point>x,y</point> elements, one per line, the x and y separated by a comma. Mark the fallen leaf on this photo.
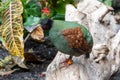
<point>29,57</point>
<point>3,72</point>
<point>30,50</point>
<point>38,34</point>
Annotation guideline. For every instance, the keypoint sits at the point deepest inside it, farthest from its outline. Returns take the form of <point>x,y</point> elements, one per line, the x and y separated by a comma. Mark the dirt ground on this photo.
<point>43,52</point>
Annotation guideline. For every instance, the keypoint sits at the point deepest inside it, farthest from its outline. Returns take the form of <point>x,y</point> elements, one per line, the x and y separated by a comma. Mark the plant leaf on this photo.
<point>58,17</point>
<point>37,34</point>
<point>11,30</point>
<point>4,4</point>
<point>31,7</point>
<point>106,2</point>
<point>32,21</point>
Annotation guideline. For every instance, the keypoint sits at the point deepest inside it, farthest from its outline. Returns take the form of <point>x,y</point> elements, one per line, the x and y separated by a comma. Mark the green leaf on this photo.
<point>4,4</point>
<point>24,2</point>
<point>58,17</point>
<point>31,21</point>
<point>31,7</point>
<point>0,20</point>
<point>60,6</point>
<point>106,2</point>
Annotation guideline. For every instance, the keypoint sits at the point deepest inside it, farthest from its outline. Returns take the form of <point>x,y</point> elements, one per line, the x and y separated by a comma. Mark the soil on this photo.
<point>42,55</point>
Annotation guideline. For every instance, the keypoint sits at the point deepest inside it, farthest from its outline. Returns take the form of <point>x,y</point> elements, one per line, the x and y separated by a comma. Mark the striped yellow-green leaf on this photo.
<point>11,30</point>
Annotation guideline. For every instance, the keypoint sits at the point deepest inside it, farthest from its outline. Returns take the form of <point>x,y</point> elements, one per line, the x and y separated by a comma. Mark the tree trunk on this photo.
<point>104,59</point>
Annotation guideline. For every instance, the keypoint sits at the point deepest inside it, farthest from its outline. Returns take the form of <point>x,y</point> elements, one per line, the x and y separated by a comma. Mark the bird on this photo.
<point>69,37</point>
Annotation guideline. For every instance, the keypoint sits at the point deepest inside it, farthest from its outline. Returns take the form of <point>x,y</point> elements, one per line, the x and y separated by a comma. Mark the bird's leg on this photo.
<point>67,62</point>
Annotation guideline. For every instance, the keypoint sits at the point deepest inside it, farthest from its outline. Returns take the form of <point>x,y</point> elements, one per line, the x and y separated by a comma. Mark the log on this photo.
<point>104,59</point>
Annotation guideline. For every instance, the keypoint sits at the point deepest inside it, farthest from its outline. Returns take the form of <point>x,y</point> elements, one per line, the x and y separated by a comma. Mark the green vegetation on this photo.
<point>107,2</point>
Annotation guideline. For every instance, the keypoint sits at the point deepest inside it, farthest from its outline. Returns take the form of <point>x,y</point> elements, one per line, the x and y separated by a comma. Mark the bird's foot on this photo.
<point>66,63</point>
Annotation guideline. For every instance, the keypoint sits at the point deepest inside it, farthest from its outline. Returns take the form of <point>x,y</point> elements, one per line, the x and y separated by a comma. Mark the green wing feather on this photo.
<point>58,39</point>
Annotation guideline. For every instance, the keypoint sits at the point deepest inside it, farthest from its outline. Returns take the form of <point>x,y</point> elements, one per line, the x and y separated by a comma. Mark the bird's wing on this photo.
<point>76,41</point>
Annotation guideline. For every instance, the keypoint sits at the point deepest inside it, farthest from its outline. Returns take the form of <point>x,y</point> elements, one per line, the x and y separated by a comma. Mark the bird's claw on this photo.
<point>66,63</point>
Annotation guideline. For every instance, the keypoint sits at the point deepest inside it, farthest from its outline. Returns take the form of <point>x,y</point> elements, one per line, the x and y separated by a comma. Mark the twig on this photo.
<point>104,14</point>
<point>26,38</point>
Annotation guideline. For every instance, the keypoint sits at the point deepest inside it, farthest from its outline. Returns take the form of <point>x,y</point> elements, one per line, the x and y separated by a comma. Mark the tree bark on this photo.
<point>104,59</point>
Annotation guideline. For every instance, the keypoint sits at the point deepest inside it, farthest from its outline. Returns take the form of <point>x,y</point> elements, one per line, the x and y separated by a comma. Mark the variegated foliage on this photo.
<point>11,30</point>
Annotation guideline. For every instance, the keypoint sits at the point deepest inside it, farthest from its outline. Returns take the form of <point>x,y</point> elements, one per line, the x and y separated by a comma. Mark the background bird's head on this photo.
<point>46,24</point>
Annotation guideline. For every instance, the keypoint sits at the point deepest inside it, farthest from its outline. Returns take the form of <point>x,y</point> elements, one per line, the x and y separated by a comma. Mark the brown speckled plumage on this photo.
<point>70,38</point>
<point>75,39</point>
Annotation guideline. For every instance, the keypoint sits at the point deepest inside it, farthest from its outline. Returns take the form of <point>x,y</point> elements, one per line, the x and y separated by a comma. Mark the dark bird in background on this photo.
<point>69,38</point>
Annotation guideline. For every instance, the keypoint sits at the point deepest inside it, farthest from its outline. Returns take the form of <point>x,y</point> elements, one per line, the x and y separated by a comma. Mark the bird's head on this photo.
<point>46,24</point>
